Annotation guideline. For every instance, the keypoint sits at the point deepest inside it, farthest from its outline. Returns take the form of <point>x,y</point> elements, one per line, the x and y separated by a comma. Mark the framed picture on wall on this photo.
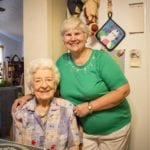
<point>136,17</point>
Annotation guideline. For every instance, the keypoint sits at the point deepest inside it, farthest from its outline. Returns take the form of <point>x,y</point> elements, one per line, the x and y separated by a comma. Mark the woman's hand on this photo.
<point>21,101</point>
<point>81,110</point>
<point>110,100</point>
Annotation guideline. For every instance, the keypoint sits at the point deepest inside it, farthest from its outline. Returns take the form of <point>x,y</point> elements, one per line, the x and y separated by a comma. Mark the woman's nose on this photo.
<point>44,84</point>
<point>73,37</point>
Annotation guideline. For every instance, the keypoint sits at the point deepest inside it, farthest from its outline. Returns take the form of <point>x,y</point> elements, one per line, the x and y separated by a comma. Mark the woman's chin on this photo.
<point>45,98</point>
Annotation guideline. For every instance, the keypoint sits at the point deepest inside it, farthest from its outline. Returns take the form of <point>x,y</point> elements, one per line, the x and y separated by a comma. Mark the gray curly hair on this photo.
<point>41,63</point>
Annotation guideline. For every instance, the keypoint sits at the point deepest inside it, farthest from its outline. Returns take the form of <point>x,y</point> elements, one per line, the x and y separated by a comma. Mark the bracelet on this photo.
<point>90,108</point>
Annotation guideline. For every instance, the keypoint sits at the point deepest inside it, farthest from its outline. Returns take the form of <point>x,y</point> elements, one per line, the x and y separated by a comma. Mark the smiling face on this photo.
<point>74,40</point>
<point>43,85</point>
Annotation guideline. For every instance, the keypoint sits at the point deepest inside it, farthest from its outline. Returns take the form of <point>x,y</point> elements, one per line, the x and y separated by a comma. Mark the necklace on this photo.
<point>41,113</point>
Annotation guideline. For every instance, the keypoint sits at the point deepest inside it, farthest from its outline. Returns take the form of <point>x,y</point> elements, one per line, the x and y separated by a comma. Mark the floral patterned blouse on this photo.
<point>59,131</point>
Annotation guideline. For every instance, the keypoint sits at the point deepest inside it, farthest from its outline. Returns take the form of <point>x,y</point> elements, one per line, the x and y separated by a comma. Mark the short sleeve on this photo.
<point>111,72</point>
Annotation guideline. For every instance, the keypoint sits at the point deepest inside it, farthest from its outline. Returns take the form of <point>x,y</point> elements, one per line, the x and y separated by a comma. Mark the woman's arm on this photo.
<point>112,99</point>
<point>21,101</point>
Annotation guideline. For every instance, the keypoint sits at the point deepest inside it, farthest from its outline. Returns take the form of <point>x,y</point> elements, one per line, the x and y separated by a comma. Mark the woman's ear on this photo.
<point>56,86</point>
<point>32,91</point>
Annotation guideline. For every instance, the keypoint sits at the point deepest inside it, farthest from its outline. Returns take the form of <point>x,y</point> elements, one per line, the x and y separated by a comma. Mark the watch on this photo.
<point>90,108</point>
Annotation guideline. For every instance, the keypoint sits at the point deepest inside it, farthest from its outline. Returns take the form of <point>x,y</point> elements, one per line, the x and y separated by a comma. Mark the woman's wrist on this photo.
<point>90,108</point>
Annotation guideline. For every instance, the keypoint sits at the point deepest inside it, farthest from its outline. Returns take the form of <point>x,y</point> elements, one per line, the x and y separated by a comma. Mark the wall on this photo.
<point>11,46</point>
<point>138,77</point>
<point>55,42</point>
<point>35,30</point>
<point>148,54</point>
<point>42,19</point>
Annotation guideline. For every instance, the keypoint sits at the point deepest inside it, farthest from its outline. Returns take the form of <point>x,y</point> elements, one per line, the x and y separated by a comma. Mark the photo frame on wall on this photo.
<point>135,58</point>
<point>136,19</point>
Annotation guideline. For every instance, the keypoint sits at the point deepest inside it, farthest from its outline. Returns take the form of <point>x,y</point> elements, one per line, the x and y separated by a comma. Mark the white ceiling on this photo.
<point>11,20</point>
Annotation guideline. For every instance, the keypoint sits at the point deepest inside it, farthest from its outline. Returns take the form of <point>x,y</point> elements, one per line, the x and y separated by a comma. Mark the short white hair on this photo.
<point>74,22</point>
<point>41,63</point>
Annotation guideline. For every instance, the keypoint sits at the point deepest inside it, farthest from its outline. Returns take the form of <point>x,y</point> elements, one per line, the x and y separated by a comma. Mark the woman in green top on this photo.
<point>95,84</point>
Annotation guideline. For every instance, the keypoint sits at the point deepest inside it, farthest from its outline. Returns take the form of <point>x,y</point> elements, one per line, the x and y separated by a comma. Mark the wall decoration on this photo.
<point>110,34</point>
<point>135,58</point>
<point>136,18</point>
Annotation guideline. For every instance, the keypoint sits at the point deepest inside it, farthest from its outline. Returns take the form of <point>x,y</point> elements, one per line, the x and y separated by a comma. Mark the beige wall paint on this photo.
<point>148,63</point>
<point>58,15</point>
<point>42,20</point>
<point>35,30</point>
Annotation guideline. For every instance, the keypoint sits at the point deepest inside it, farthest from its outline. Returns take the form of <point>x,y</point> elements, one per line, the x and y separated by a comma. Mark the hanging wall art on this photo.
<point>110,34</point>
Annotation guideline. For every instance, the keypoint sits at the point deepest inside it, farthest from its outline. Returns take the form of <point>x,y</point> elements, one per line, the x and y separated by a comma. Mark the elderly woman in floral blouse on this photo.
<point>45,121</point>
